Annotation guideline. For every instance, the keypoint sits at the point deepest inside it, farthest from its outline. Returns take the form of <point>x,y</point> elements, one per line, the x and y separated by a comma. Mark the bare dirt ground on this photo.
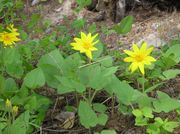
<point>154,26</point>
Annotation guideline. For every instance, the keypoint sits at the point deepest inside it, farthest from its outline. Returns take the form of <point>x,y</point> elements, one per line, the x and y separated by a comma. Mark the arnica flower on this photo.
<point>8,103</point>
<point>139,57</point>
<point>85,44</point>
<point>10,36</point>
<point>15,110</point>
<point>12,29</point>
<point>8,39</point>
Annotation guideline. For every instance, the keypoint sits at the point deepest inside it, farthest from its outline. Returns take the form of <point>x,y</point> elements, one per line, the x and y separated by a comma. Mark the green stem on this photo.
<point>84,97</point>
<point>94,94</point>
<point>2,60</point>
<point>89,95</point>
<point>77,99</point>
<point>143,83</point>
<point>112,105</point>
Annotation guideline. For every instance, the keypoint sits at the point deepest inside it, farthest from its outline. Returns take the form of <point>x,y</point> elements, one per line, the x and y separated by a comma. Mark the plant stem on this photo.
<point>77,99</point>
<point>94,94</point>
<point>143,83</point>
<point>2,60</point>
<point>89,95</point>
<point>84,97</point>
<point>112,105</point>
<point>89,130</point>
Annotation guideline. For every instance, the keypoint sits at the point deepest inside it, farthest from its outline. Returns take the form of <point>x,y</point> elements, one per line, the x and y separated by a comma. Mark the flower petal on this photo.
<point>133,67</point>
<point>135,48</point>
<point>150,59</point>
<point>130,53</point>
<point>93,49</point>
<point>89,54</point>
<point>83,36</point>
<point>93,37</point>
<point>143,47</point>
<point>149,50</point>
<point>141,68</point>
<point>128,59</point>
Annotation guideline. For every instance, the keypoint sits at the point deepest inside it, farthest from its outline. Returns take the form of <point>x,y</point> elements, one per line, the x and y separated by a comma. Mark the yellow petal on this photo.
<point>77,39</point>
<point>93,49</point>
<point>130,53</point>
<point>89,54</point>
<point>147,62</point>
<point>143,47</point>
<point>135,48</point>
<point>83,36</point>
<point>128,59</point>
<point>149,50</point>
<point>93,37</point>
<point>89,35</point>
<point>141,68</point>
<point>150,59</point>
<point>133,67</point>
<point>95,42</point>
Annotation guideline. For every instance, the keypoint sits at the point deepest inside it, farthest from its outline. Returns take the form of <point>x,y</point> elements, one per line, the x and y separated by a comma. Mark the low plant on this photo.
<point>81,68</point>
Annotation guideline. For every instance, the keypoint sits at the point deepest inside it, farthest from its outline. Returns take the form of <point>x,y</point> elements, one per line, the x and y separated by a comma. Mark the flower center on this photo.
<point>87,45</point>
<point>139,58</point>
<point>6,37</point>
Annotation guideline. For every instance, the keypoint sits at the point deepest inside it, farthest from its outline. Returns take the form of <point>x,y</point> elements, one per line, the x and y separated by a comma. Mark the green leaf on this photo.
<point>170,126</point>
<point>108,132</point>
<point>20,125</point>
<point>98,107</point>
<point>88,117</point>
<point>78,24</point>
<point>147,112</point>
<point>83,3</point>
<point>153,87</point>
<point>100,47</point>
<point>67,85</point>
<point>13,62</point>
<point>2,84</point>
<point>106,61</point>
<point>50,73</point>
<point>124,92</point>
<point>124,26</point>
<point>10,87</point>
<point>34,20</point>
<point>36,102</point>
<point>23,35</point>
<point>102,119</point>
<point>52,66</point>
<point>159,121</point>
<point>169,74</point>
<point>174,49</point>
<point>165,103</point>
<point>92,28</point>
<point>86,75</point>
<point>137,113</point>
<point>140,121</point>
<point>110,71</point>
<point>153,129</point>
<point>53,58</point>
<point>34,79</point>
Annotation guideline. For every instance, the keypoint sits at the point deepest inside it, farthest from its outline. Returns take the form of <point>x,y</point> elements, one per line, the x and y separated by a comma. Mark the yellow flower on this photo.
<point>139,57</point>
<point>85,44</point>
<point>15,110</point>
<point>8,103</point>
<point>12,29</point>
<point>8,39</point>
